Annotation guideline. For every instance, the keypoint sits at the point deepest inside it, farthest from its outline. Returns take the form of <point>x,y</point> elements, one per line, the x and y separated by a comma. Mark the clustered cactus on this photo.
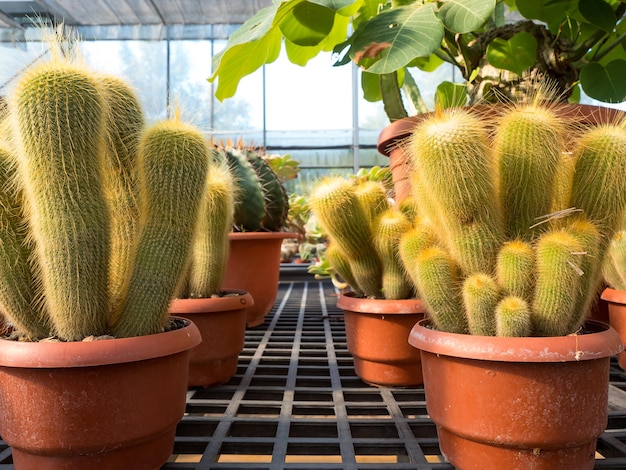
<point>261,200</point>
<point>98,212</point>
<point>512,220</point>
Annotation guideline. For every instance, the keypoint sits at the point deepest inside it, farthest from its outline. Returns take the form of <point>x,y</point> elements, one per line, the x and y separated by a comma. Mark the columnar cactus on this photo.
<point>100,213</point>
<point>488,196</point>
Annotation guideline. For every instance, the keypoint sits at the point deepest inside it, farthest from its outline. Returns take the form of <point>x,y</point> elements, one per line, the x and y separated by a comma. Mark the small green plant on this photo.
<point>500,262</point>
<point>99,212</point>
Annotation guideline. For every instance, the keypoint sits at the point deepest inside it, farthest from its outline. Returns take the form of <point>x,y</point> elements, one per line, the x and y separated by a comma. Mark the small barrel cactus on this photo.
<point>98,213</point>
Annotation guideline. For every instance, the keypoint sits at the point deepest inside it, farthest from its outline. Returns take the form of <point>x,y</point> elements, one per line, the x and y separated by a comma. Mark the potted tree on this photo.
<point>381,308</point>
<point>614,296</point>
<point>499,48</point>
<point>219,314</point>
<point>98,215</point>
<point>260,209</point>
<point>519,222</point>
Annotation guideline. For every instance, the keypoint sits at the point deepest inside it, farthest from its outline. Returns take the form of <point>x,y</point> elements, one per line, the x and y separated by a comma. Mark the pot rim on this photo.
<point>98,353</point>
<point>348,301</point>
<point>615,296</point>
<point>260,235</point>
<point>213,304</point>
<point>603,341</point>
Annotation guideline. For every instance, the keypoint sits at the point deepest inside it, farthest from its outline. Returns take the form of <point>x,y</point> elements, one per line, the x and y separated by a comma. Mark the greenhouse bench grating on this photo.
<point>296,403</point>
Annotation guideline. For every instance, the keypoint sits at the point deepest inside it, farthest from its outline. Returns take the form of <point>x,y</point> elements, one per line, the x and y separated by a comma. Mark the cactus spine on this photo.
<point>17,293</point>
<point>513,317</point>
<point>373,199</point>
<point>340,213</point>
<point>388,229</point>
<point>124,125</point>
<point>249,203</point>
<point>515,269</point>
<point>453,164</point>
<point>175,158</point>
<point>481,295</point>
<point>211,247</point>
<point>528,146</point>
<point>60,117</point>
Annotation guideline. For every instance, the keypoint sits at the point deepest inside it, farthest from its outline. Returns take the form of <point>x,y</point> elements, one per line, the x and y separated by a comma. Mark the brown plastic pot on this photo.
<point>254,266</point>
<point>222,324</point>
<point>109,404</point>
<point>392,140</point>
<point>377,332</point>
<point>517,403</point>
<point>616,304</point>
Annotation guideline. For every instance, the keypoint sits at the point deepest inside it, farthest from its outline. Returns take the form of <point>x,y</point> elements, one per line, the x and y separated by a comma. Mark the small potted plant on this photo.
<point>98,216</point>
<point>219,314</point>
<point>614,295</point>
<point>381,308</point>
<point>260,209</point>
<point>515,221</point>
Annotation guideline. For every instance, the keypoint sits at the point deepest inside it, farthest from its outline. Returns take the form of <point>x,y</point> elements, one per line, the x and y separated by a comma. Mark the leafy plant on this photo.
<point>569,42</point>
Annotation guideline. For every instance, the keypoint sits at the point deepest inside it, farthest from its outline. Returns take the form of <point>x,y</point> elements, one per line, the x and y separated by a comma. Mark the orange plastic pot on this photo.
<point>377,332</point>
<point>254,266</point>
<point>616,304</point>
<point>109,404</point>
<point>222,324</point>
<point>517,403</point>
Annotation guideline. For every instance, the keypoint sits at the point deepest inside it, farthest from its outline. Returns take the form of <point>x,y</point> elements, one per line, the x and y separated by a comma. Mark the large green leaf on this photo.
<point>397,36</point>
<point>549,11</point>
<point>464,16</point>
<point>605,82</point>
<point>517,54</point>
<point>308,24</point>
<point>300,55</point>
<point>598,13</point>
<point>450,95</point>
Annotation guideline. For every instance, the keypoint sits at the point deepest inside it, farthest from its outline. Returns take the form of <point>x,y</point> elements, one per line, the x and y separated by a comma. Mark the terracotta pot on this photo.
<point>222,324</point>
<point>517,403</point>
<point>616,304</point>
<point>254,266</point>
<point>109,404</point>
<point>393,138</point>
<point>377,332</point>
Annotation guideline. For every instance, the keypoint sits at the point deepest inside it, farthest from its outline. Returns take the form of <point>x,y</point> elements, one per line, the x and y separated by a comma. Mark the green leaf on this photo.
<point>517,54</point>
<point>427,64</point>
<point>464,16</point>
<point>605,82</point>
<point>598,13</point>
<point>450,95</point>
<point>307,24</point>
<point>397,36</point>
<point>371,87</point>
<point>550,11</point>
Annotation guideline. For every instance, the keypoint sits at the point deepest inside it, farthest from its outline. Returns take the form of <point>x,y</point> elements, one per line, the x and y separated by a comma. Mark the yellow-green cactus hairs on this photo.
<point>528,144</point>
<point>124,125</point>
<point>411,244</point>
<point>59,113</point>
<point>175,158</point>
<point>340,213</point>
<point>558,283</point>
<point>515,269</point>
<point>600,172</point>
<point>453,163</point>
<point>436,276</point>
<point>562,193</point>
<point>513,317</point>
<point>408,206</point>
<point>211,246</point>
<point>373,198</point>
<point>481,295</point>
<point>17,292</point>
<point>388,229</point>
<point>339,262</point>
<point>590,264</point>
<point>614,265</point>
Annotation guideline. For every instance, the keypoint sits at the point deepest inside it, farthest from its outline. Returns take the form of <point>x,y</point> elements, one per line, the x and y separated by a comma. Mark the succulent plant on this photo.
<point>261,201</point>
<point>502,262</point>
<point>98,212</point>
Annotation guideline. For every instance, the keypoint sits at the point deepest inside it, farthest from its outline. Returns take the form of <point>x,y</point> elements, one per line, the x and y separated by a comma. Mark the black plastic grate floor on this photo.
<point>296,403</point>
